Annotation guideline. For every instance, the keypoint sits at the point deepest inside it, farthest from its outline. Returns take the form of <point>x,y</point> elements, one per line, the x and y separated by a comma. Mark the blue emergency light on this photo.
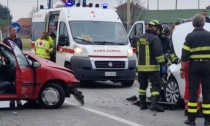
<point>104,5</point>
<point>69,3</point>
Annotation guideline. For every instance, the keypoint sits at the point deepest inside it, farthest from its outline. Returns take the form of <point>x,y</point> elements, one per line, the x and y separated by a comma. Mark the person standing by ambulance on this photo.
<point>150,58</point>
<point>42,46</point>
<point>196,50</point>
<point>13,37</point>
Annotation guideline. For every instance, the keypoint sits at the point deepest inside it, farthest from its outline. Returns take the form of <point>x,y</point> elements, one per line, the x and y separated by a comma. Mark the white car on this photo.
<point>173,86</point>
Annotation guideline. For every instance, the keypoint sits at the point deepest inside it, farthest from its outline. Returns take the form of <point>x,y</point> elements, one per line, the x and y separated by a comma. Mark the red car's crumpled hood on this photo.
<point>47,63</point>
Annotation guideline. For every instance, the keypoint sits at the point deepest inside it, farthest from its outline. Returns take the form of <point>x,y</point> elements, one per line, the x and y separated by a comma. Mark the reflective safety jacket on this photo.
<point>167,47</point>
<point>51,42</point>
<point>197,45</point>
<point>43,49</point>
<point>149,52</point>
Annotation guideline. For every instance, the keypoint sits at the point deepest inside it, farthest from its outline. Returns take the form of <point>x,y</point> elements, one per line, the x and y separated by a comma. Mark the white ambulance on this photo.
<point>91,41</point>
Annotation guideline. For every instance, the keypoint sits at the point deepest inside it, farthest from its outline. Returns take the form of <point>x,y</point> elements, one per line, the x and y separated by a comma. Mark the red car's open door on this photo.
<point>24,73</point>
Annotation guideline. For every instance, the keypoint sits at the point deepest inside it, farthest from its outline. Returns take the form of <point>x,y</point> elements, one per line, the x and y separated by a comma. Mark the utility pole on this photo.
<point>157,4</point>
<point>49,4</point>
<point>128,14</point>
<point>37,5</point>
<point>8,14</point>
<point>147,4</point>
<point>198,4</point>
<point>176,5</point>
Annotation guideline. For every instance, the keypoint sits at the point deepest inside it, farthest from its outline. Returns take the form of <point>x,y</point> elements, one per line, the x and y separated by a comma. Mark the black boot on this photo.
<point>154,104</point>
<point>206,123</point>
<point>207,120</point>
<point>188,122</point>
<point>132,98</point>
<point>143,103</point>
<point>12,104</point>
<point>19,104</point>
<point>191,119</point>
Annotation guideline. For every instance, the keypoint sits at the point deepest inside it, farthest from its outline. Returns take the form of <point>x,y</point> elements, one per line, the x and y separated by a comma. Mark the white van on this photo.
<point>91,41</point>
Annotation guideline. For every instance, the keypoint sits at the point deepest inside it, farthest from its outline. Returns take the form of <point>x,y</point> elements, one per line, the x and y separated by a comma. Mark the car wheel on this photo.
<point>52,96</point>
<point>127,83</point>
<point>172,92</point>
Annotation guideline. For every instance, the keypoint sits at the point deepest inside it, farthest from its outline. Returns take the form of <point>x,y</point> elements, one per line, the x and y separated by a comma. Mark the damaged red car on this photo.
<point>24,76</point>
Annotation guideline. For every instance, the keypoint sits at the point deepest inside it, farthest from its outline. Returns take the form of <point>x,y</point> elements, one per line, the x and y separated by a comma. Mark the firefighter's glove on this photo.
<point>163,69</point>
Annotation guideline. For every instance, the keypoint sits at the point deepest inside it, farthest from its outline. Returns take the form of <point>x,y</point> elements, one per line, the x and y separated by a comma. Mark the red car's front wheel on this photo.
<point>52,96</point>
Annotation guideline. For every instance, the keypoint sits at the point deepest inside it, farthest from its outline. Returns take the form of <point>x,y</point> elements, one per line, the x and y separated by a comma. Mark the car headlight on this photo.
<point>130,52</point>
<point>80,51</point>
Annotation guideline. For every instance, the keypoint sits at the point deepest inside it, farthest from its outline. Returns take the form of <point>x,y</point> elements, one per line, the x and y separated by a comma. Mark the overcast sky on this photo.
<point>22,8</point>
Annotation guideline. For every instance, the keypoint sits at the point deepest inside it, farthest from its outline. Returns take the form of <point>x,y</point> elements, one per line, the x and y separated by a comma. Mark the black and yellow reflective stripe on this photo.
<point>187,48</point>
<point>173,57</point>
<point>206,108</point>
<point>202,56</point>
<point>138,43</point>
<point>160,59</point>
<point>198,49</point>
<point>155,93</point>
<point>147,54</point>
<point>192,107</point>
<point>142,92</point>
<point>154,22</point>
<point>148,67</point>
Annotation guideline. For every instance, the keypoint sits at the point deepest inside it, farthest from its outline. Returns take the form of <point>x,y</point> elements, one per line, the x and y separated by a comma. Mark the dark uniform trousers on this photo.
<point>154,79</point>
<point>199,69</point>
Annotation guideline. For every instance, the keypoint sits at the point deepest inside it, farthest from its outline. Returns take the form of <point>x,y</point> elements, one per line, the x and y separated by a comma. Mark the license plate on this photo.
<point>110,74</point>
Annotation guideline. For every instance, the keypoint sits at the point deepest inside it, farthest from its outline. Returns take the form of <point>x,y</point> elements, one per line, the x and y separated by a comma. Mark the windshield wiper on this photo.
<point>105,42</point>
<point>84,40</point>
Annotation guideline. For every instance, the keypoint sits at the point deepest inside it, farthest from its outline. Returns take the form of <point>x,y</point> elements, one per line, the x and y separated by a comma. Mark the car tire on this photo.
<point>172,92</point>
<point>52,96</point>
<point>127,83</point>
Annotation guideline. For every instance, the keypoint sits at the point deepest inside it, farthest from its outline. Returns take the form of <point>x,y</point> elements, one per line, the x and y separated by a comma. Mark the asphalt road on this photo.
<point>105,105</point>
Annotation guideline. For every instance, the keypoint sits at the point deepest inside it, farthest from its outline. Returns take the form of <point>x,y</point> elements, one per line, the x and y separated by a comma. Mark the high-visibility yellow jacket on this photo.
<point>51,42</point>
<point>43,48</point>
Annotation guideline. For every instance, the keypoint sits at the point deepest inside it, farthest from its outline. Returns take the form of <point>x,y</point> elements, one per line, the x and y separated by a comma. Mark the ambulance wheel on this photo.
<point>127,83</point>
<point>172,92</point>
<point>52,96</point>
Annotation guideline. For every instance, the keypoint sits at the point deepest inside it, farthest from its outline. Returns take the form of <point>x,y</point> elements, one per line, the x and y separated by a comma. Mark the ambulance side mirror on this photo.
<point>63,40</point>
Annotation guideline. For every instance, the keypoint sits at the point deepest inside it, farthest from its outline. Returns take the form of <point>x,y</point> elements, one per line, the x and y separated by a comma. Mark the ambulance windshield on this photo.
<point>94,32</point>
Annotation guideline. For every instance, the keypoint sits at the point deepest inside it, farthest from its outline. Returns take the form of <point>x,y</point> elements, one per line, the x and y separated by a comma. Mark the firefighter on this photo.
<point>150,58</point>
<point>42,46</point>
<point>196,50</point>
<point>167,45</point>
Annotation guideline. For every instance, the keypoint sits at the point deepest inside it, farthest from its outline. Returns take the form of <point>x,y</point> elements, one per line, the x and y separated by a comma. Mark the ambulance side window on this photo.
<point>63,32</point>
<point>36,29</point>
<point>136,32</point>
<point>53,23</point>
